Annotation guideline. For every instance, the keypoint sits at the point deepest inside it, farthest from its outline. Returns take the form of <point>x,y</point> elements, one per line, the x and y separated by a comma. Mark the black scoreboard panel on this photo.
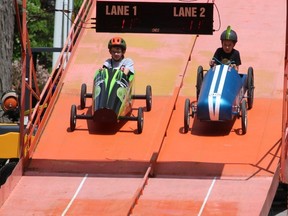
<point>154,17</point>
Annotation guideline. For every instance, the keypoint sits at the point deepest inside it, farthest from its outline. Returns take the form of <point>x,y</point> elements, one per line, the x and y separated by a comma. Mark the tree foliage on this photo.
<point>40,24</point>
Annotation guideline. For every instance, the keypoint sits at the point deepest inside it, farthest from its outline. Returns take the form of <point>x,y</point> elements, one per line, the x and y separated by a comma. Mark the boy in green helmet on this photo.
<point>227,54</point>
<point>117,48</point>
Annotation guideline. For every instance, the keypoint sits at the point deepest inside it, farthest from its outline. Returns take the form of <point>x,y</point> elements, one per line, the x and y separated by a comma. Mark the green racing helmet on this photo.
<point>117,41</point>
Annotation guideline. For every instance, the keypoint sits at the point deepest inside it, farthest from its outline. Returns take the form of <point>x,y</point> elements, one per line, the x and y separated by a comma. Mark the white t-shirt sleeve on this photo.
<point>128,63</point>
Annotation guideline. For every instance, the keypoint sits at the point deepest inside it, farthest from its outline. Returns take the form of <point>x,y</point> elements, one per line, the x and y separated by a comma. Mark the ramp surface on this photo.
<point>211,170</point>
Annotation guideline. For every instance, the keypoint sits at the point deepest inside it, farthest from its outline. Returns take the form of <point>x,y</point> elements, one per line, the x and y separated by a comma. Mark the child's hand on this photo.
<point>125,71</point>
<point>212,63</point>
<point>234,66</point>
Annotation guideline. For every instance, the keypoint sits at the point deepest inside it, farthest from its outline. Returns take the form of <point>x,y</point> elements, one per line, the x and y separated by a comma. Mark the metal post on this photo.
<point>284,142</point>
<point>24,51</point>
<point>58,29</point>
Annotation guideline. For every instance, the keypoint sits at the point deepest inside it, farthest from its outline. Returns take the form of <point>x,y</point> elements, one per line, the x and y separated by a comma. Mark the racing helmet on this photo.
<point>117,41</point>
<point>229,34</point>
<point>9,101</point>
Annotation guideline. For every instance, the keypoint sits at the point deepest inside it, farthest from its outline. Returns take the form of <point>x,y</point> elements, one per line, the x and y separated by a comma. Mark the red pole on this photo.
<point>284,142</point>
<point>24,51</point>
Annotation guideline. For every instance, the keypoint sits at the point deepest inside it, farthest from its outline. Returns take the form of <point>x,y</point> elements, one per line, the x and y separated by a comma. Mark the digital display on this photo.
<point>154,17</point>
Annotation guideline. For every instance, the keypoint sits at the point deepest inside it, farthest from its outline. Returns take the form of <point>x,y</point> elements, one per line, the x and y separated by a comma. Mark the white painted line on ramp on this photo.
<point>75,195</point>
<point>207,196</point>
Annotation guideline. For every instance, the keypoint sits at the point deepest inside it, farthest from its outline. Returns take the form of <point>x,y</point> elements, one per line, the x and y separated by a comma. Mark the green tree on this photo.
<point>77,5</point>
<point>40,24</point>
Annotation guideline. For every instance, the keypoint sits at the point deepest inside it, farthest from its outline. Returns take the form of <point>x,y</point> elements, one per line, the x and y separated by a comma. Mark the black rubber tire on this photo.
<point>199,80</point>
<point>148,98</point>
<point>83,96</point>
<point>187,108</point>
<point>250,87</point>
<point>244,116</point>
<point>6,171</point>
<point>73,114</point>
<point>140,120</point>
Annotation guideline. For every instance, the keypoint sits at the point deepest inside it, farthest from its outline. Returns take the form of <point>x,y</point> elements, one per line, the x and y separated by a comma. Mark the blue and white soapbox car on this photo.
<point>222,94</point>
<point>112,98</point>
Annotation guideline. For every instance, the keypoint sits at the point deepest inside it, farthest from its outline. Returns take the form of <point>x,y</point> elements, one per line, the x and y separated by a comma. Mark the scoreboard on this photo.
<point>154,17</point>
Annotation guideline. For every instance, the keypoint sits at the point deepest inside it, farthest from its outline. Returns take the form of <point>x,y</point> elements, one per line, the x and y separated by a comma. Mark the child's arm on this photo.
<point>129,66</point>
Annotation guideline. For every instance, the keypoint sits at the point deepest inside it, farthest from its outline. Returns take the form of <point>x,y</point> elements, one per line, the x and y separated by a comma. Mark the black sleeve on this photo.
<point>236,57</point>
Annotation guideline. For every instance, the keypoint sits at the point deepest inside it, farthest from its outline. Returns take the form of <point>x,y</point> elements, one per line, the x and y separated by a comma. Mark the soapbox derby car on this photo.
<point>222,94</point>
<point>112,99</point>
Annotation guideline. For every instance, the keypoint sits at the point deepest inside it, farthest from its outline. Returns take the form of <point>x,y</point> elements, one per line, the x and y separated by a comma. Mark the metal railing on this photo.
<point>38,114</point>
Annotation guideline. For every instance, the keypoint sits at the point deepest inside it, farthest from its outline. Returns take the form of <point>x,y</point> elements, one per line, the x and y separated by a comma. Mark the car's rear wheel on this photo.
<point>73,117</point>
<point>244,116</point>
<point>148,98</point>
<point>140,120</point>
<point>83,96</point>
<point>250,87</point>
<point>186,115</point>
